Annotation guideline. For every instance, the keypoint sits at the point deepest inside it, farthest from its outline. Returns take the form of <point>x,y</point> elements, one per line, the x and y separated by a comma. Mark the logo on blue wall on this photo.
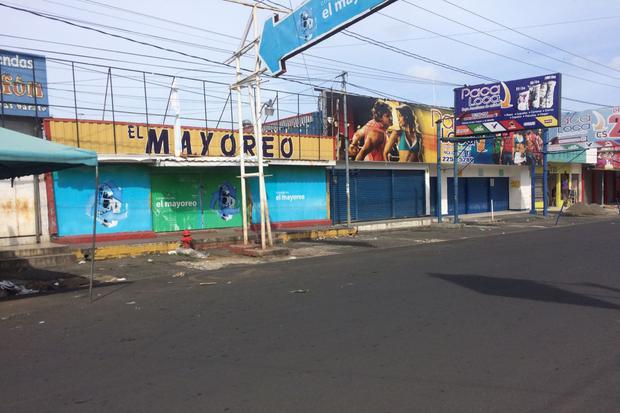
<point>224,200</point>
<point>110,208</point>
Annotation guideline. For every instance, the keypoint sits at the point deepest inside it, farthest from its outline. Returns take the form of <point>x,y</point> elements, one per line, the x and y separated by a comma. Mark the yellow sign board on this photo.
<point>141,139</point>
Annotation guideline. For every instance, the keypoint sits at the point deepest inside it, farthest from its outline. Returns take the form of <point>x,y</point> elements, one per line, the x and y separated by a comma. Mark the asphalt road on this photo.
<point>515,322</point>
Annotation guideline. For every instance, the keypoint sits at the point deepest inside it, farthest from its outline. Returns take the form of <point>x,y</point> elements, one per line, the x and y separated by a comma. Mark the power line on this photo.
<point>134,21</point>
<point>507,42</point>
<point>531,26</point>
<point>176,23</point>
<point>417,56</point>
<point>532,37</point>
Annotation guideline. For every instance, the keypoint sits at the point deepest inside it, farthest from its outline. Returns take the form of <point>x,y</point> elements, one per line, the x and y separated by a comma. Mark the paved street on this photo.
<point>486,319</point>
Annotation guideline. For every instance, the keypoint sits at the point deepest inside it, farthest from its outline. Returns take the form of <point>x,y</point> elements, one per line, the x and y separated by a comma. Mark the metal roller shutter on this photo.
<point>478,199</point>
<point>499,194</point>
<point>408,194</point>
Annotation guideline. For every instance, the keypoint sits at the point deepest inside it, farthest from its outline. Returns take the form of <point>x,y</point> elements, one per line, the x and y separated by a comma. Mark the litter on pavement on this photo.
<point>10,288</point>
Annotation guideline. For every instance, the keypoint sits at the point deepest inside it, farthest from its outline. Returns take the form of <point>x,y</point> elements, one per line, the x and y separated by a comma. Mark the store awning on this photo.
<point>22,155</point>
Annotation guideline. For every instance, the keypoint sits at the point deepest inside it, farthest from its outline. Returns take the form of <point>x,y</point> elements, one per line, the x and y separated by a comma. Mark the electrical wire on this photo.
<point>532,37</point>
<point>507,42</point>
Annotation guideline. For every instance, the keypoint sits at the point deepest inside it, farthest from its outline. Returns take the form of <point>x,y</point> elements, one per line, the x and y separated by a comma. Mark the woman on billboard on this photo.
<point>373,135</point>
<point>408,137</point>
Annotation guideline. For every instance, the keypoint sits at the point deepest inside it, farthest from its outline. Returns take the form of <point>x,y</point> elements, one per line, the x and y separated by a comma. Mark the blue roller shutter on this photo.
<point>477,195</point>
<point>374,194</point>
<point>499,194</point>
<point>408,194</point>
<point>377,194</point>
<point>462,195</point>
<point>433,195</point>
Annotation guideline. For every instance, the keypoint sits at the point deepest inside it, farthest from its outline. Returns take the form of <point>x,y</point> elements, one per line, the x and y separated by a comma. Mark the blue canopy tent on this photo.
<point>22,155</point>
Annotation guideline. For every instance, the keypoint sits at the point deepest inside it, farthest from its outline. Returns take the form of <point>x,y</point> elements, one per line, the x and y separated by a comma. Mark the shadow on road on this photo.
<point>524,289</point>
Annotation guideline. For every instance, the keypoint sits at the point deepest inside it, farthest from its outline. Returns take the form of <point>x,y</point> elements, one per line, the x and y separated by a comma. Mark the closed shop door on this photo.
<point>478,195</point>
<point>499,193</point>
<point>374,194</point>
<point>475,195</point>
<point>338,196</point>
<point>462,195</point>
<point>408,194</point>
<point>377,195</point>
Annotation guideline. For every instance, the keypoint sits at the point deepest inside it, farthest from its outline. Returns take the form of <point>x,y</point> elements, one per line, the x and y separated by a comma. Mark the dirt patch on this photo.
<point>580,209</point>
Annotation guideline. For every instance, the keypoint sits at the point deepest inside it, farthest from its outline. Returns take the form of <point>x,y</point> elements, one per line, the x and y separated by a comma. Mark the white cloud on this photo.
<point>615,62</point>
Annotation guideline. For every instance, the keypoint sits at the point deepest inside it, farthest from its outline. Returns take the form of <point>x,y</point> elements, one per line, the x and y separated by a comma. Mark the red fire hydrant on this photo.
<point>187,240</point>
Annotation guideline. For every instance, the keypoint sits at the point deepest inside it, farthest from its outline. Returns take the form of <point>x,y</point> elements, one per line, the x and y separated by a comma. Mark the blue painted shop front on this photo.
<point>377,194</point>
<point>476,194</point>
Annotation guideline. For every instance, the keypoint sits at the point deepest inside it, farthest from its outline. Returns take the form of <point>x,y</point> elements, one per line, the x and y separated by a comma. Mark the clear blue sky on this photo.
<point>576,38</point>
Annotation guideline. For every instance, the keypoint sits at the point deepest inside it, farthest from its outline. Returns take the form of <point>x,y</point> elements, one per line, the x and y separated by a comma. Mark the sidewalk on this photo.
<point>222,238</point>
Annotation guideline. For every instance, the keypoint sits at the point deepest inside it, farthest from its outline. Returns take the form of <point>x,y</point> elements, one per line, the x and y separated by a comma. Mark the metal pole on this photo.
<point>455,158</point>
<point>1,95</point>
<point>93,245</point>
<point>545,136</point>
<point>204,98</point>
<point>113,112</point>
<point>146,104</point>
<point>533,186</point>
<point>105,95</point>
<point>77,124</point>
<point>260,163</point>
<point>602,187</point>
<point>232,120</point>
<point>298,128</point>
<point>35,178</point>
<point>244,212</point>
<point>438,200</point>
<point>346,147</point>
<point>259,134</point>
<point>168,102</point>
<point>278,123</point>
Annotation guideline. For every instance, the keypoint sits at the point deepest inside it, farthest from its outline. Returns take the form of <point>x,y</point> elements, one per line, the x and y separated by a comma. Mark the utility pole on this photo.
<point>346,146</point>
<point>455,159</point>
<point>438,201</point>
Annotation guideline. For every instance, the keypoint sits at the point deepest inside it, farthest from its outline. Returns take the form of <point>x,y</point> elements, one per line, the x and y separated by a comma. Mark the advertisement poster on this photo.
<point>123,200</point>
<point>24,84</point>
<point>294,194</point>
<point>142,139</point>
<point>608,159</point>
<point>509,106</point>
<point>405,132</point>
<point>598,128</point>
<point>195,200</point>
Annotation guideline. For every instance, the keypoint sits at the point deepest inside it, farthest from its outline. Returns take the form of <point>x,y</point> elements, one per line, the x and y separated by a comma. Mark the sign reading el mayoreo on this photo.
<point>24,83</point>
<point>513,105</point>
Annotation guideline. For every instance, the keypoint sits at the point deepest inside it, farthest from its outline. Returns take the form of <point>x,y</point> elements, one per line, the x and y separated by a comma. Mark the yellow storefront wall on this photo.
<point>140,139</point>
<point>555,169</point>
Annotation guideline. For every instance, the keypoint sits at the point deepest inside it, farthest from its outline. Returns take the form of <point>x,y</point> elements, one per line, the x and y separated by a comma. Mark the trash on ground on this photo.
<point>82,262</point>
<point>150,260</point>
<point>209,283</point>
<point>179,274</point>
<point>41,322</point>
<point>300,291</point>
<point>192,253</point>
<point>173,252</point>
<point>131,303</point>
<point>10,288</point>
